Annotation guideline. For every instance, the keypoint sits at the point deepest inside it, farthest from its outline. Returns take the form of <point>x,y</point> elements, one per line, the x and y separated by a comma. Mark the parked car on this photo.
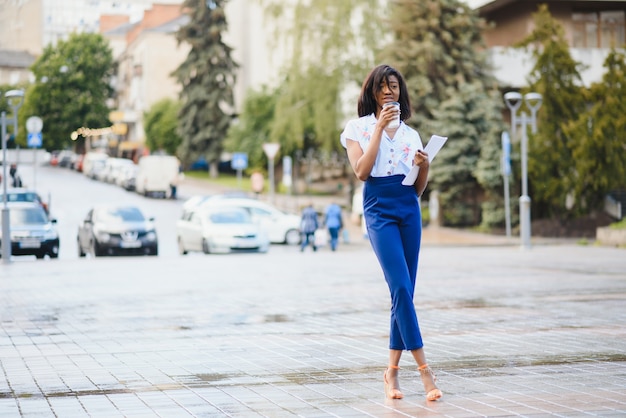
<point>219,229</point>
<point>197,200</point>
<point>65,158</point>
<point>127,177</point>
<point>20,194</point>
<point>117,230</point>
<point>54,157</point>
<point>281,227</point>
<point>113,167</point>
<point>93,164</point>
<point>32,231</point>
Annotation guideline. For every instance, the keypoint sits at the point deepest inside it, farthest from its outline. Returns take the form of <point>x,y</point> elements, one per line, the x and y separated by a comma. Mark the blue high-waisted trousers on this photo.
<point>394,226</point>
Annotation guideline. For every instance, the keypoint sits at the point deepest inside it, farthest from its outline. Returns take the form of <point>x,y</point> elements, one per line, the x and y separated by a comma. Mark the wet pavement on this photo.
<point>509,332</point>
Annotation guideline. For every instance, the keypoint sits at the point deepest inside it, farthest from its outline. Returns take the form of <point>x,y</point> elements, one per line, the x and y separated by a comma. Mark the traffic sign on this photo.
<point>506,154</point>
<point>34,140</point>
<point>271,149</point>
<point>34,124</point>
<point>239,161</point>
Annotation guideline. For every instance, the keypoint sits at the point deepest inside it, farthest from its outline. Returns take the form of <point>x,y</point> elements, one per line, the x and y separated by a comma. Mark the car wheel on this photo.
<point>81,253</point>
<point>95,249</point>
<point>53,255</point>
<point>181,247</point>
<point>205,247</point>
<point>292,237</point>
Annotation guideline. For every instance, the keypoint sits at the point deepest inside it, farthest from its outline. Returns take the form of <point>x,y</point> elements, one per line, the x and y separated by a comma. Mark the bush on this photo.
<point>619,225</point>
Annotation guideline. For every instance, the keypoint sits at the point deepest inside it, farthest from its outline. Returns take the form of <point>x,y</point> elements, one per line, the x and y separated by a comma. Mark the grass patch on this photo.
<point>618,225</point>
<point>225,180</point>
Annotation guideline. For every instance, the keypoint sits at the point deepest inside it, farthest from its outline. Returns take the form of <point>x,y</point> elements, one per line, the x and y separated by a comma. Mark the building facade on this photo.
<point>142,37</point>
<point>591,29</point>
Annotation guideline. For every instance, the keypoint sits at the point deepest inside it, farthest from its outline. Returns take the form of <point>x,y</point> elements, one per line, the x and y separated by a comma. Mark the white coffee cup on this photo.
<point>396,122</point>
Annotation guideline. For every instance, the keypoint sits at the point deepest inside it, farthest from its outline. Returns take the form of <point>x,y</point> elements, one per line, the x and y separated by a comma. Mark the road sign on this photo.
<point>239,161</point>
<point>271,149</point>
<point>506,154</point>
<point>34,140</point>
<point>34,124</point>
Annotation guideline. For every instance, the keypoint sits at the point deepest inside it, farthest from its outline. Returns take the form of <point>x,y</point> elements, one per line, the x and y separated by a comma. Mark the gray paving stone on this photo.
<point>535,333</point>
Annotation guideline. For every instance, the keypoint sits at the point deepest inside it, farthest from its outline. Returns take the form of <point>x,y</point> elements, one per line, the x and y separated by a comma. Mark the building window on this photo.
<point>599,29</point>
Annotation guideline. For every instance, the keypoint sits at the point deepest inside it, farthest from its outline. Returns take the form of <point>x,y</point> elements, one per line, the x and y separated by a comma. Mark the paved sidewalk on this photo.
<point>509,332</point>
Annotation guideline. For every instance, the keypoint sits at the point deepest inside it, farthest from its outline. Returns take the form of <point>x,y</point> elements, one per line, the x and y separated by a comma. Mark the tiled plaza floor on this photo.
<point>509,332</point>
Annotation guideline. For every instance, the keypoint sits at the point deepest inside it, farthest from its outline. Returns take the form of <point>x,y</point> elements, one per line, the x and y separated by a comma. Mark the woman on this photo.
<point>382,156</point>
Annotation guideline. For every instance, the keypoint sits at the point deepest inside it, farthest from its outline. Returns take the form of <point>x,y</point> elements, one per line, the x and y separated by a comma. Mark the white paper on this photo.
<point>432,148</point>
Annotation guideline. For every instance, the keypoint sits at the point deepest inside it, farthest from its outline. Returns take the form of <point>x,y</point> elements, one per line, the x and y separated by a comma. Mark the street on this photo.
<point>508,332</point>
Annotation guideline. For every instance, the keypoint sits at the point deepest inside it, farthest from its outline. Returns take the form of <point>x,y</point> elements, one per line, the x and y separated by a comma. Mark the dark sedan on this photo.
<point>117,230</point>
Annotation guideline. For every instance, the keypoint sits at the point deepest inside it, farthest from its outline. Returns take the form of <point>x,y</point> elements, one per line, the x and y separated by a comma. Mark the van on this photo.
<point>155,175</point>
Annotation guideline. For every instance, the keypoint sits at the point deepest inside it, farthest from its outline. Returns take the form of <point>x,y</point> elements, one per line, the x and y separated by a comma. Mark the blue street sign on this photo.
<point>239,161</point>
<point>506,154</point>
<point>34,140</point>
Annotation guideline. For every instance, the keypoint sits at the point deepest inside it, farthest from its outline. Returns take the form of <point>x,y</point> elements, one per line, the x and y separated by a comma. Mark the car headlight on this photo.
<point>50,234</point>
<point>151,236</point>
<point>103,236</point>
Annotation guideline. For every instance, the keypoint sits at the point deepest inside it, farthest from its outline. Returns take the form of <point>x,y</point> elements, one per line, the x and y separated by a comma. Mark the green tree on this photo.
<point>555,75</point>
<point>208,78</point>
<point>437,46</point>
<point>161,126</point>
<point>331,45</point>
<point>73,83</point>
<point>599,138</point>
<point>253,127</point>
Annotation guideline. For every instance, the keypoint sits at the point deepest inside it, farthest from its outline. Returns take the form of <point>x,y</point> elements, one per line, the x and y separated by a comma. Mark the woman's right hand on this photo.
<point>386,115</point>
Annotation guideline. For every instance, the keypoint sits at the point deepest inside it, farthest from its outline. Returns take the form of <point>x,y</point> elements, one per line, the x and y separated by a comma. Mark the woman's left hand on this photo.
<point>420,158</point>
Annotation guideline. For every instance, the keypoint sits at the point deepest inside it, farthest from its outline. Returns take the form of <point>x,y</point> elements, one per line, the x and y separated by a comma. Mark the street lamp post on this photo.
<point>15,99</point>
<point>271,149</point>
<point>533,101</point>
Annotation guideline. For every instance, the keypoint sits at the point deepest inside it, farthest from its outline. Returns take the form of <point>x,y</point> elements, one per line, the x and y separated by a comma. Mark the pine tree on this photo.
<point>599,139</point>
<point>208,78</point>
<point>555,75</point>
<point>437,46</point>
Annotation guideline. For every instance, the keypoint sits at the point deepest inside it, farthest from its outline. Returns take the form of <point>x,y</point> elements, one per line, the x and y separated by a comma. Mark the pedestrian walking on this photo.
<point>381,154</point>
<point>334,223</point>
<point>308,226</point>
<point>175,182</point>
<point>16,180</point>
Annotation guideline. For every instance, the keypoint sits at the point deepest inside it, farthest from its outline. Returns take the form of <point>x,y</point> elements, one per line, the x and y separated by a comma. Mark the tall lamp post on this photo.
<point>15,99</point>
<point>533,101</point>
<point>271,149</point>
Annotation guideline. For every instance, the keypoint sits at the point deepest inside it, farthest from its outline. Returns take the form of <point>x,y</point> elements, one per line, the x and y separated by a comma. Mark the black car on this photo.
<point>117,230</point>
<point>32,231</point>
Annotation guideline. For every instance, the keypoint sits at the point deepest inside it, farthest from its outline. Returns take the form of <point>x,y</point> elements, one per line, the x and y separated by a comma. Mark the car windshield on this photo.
<point>20,197</point>
<point>229,217</point>
<point>115,215</point>
<point>27,216</point>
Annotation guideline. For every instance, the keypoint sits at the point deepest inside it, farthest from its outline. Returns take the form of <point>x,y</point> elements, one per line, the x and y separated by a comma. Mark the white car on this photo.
<point>281,227</point>
<point>220,229</point>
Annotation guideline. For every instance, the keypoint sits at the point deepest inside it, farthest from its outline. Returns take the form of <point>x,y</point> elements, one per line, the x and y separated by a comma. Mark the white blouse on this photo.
<point>395,156</point>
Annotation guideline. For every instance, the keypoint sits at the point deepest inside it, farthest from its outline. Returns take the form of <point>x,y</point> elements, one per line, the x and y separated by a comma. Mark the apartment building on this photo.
<point>141,35</point>
<point>30,25</point>
<point>591,29</point>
